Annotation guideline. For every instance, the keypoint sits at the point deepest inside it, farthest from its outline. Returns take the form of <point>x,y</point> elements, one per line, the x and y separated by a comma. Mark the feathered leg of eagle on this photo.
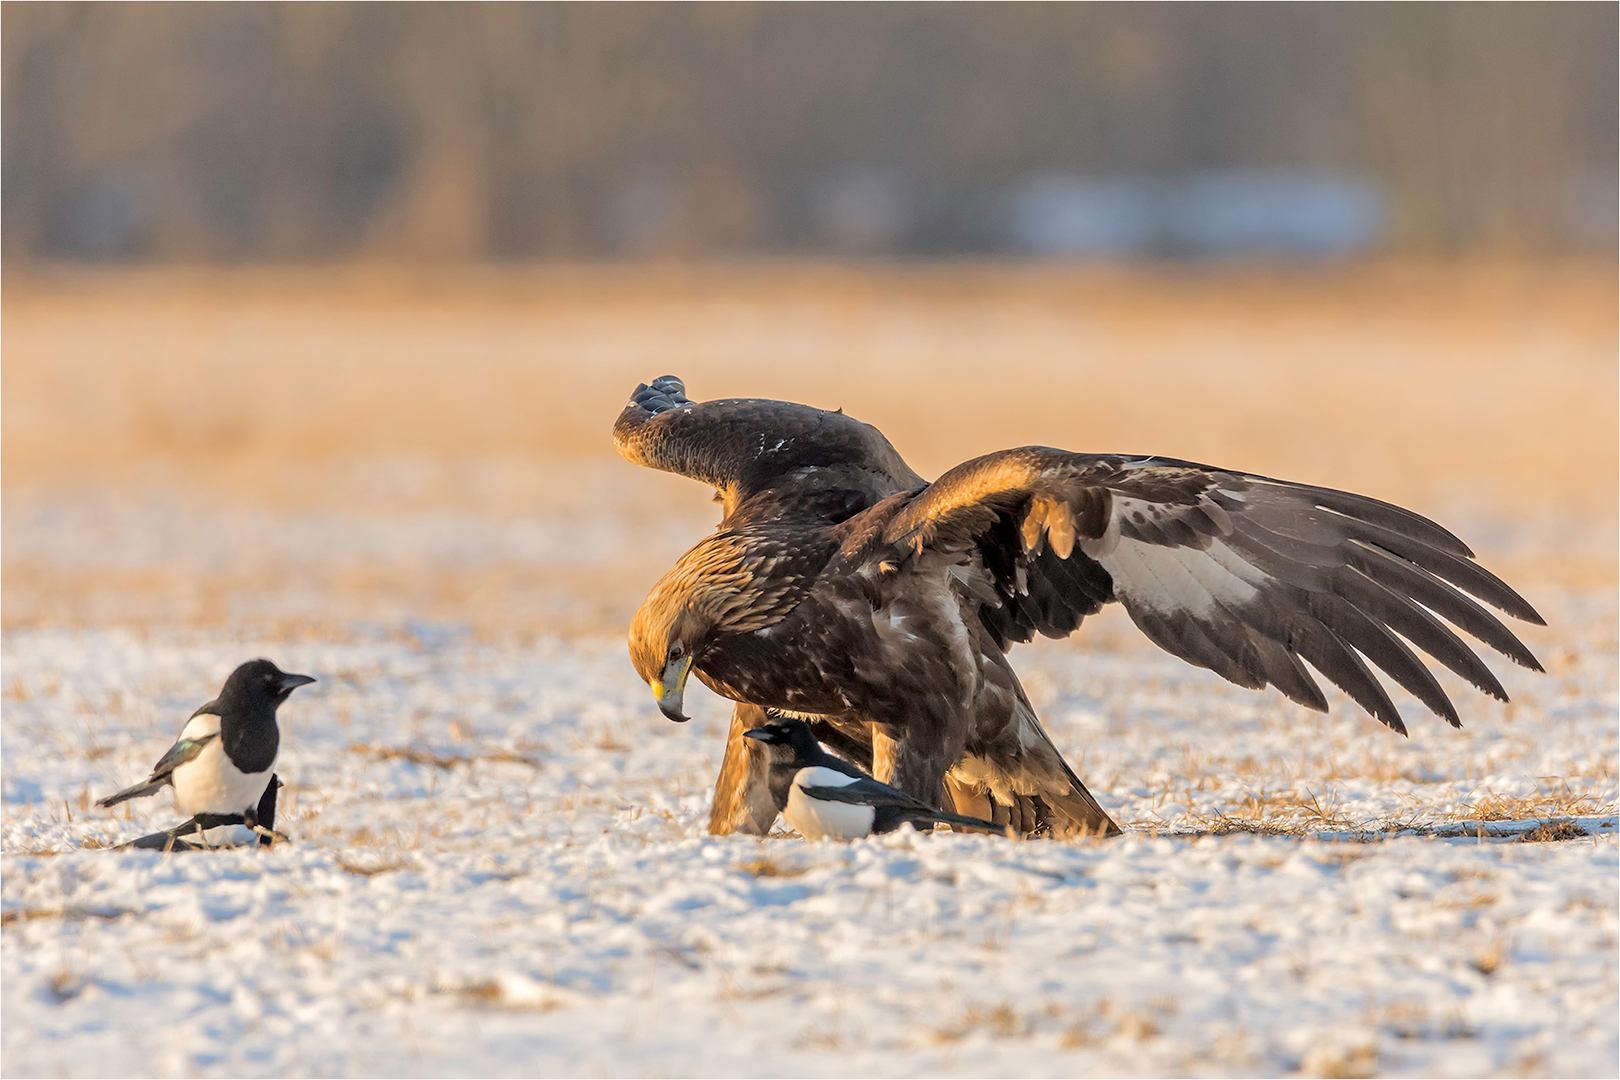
<point>918,770</point>
<point>742,796</point>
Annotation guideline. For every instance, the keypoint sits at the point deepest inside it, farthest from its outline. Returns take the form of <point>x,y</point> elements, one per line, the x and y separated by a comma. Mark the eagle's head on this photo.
<point>690,606</point>
<point>666,637</point>
<point>725,585</point>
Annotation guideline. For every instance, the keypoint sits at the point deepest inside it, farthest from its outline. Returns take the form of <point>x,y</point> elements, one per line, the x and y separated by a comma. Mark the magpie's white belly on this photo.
<point>815,819</point>
<point>210,784</point>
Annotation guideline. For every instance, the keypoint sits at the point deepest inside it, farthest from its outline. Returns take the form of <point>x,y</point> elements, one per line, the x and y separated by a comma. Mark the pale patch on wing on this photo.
<point>1104,545</point>
<point>1181,579</point>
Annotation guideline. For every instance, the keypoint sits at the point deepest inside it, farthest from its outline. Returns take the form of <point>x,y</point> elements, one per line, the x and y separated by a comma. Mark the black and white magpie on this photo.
<point>222,765</point>
<point>825,797</point>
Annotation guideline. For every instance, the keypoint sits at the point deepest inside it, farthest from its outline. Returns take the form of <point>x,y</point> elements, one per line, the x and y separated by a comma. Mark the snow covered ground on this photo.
<point>498,866</point>
<point>497,861</point>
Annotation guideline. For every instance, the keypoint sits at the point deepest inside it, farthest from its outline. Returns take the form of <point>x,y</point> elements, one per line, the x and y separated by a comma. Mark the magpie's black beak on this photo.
<point>289,683</point>
<point>762,734</point>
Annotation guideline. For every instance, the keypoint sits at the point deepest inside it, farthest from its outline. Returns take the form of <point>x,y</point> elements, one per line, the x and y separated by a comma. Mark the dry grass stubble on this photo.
<point>318,447</point>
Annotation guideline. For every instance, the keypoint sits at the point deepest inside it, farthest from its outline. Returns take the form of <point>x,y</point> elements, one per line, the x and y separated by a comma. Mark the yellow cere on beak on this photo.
<point>671,688</point>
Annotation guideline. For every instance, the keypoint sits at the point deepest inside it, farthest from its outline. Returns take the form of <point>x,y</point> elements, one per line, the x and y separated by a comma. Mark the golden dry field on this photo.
<point>321,447</point>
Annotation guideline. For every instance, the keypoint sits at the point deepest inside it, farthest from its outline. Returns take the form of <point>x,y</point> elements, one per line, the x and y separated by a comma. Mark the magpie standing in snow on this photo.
<point>824,796</point>
<point>222,765</point>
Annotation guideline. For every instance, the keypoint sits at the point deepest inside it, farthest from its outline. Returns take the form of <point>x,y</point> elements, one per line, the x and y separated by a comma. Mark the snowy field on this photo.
<point>497,861</point>
<point>498,866</point>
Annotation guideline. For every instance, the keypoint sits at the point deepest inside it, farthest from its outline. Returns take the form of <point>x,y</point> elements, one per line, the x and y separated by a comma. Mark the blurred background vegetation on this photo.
<point>419,132</point>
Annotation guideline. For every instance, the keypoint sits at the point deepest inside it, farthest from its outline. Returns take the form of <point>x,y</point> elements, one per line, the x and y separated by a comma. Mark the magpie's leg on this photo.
<point>965,799</point>
<point>250,818</point>
<point>908,765</point>
<point>196,825</point>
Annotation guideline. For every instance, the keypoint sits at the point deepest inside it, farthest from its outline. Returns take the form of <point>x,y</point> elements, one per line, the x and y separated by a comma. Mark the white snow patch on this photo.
<point>498,866</point>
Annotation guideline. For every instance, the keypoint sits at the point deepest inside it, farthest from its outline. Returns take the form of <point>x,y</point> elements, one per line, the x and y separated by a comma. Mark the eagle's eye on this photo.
<point>676,651</point>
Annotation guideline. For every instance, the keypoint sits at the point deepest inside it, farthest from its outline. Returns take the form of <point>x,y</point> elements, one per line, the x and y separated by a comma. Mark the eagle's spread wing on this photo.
<point>1241,574</point>
<point>746,446</point>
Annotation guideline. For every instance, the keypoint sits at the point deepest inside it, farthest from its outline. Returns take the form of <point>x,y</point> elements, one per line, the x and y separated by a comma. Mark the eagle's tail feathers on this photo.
<point>1085,816</point>
<point>1061,790</point>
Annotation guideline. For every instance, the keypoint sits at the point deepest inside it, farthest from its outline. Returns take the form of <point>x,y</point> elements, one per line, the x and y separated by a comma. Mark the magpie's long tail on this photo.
<point>976,824</point>
<point>147,787</point>
<point>186,836</point>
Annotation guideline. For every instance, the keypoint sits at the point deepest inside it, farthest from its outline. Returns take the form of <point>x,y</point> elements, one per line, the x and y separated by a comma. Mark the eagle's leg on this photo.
<point>742,794</point>
<point>966,799</point>
<point>915,771</point>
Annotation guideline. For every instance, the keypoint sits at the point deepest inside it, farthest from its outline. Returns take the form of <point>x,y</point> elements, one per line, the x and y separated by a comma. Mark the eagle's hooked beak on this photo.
<point>670,689</point>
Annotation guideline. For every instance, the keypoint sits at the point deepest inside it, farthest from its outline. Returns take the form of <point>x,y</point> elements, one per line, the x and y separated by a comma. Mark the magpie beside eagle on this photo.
<point>842,588</point>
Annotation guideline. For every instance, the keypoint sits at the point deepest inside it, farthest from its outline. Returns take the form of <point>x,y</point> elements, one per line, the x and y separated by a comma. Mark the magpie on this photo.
<point>222,765</point>
<point>824,796</point>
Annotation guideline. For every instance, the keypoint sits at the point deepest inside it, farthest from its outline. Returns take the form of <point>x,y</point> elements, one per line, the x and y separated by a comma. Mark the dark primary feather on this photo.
<point>135,791</point>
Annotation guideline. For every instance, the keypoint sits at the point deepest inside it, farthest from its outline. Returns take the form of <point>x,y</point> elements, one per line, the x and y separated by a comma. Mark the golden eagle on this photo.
<point>843,588</point>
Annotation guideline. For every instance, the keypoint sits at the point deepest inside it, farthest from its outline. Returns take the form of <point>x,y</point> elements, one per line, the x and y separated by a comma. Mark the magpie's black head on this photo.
<point>259,684</point>
<point>790,740</point>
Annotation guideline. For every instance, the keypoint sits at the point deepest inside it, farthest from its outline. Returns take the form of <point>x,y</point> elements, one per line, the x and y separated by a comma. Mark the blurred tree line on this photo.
<point>250,131</point>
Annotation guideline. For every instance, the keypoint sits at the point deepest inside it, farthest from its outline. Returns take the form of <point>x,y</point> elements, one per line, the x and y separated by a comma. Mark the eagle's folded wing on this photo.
<point>1241,574</point>
<point>745,446</point>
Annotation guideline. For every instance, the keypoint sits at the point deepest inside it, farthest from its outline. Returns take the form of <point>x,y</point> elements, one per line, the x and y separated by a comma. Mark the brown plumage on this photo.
<point>843,588</point>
